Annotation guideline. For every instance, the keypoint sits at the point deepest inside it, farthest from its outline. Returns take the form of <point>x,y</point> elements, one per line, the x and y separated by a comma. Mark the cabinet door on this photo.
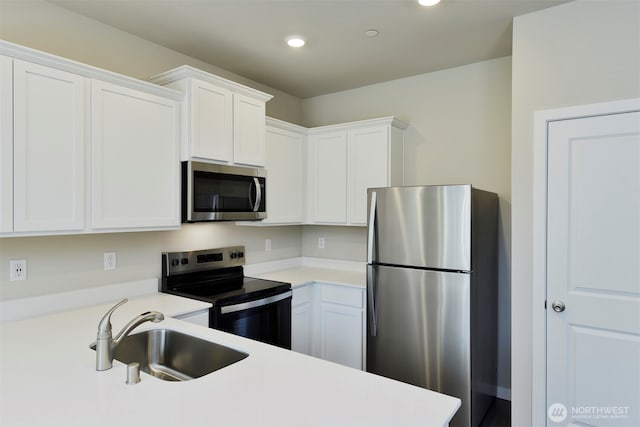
<point>301,328</point>
<point>248,131</point>
<point>368,168</point>
<point>285,151</point>
<point>328,177</point>
<point>135,159</point>
<point>49,141</point>
<point>211,122</point>
<point>341,331</point>
<point>302,320</point>
<point>6,144</point>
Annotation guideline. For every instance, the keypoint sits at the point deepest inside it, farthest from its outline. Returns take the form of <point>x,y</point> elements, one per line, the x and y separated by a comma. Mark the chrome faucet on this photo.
<point>105,345</point>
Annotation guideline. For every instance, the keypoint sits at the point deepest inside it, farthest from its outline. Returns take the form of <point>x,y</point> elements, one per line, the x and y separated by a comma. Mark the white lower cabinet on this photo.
<point>328,321</point>
<point>302,319</point>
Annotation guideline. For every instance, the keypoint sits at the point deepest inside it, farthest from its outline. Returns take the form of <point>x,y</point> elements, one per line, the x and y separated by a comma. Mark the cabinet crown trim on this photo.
<point>42,58</point>
<point>390,120</point>
<point>186,71</point>
<point>280,124</point>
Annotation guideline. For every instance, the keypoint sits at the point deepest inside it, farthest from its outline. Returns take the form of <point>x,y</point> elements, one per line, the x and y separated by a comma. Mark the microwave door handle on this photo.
<point>256,206</point>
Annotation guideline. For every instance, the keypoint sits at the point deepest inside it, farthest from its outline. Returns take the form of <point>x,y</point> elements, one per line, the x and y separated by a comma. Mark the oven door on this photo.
<point>267,319</point>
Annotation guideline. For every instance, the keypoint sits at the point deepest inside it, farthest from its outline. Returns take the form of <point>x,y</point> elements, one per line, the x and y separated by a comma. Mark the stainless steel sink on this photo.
<point>174,356</point>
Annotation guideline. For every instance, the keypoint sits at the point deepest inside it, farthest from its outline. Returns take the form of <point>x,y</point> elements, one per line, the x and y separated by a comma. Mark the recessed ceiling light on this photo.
<point>295,41</point>
<point>428,2</point>
<point>371,33</point>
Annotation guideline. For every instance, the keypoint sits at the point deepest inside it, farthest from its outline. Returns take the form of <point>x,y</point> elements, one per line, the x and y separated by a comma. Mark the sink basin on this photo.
<point>174,356</point>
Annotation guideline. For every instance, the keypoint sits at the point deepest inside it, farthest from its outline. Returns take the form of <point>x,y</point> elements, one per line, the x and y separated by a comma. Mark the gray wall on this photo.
<point>578,53</point>
<point>65,263</point>
<point>49,28</point>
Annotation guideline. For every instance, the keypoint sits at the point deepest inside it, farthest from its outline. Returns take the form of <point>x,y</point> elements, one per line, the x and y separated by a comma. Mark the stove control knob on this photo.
<point>175,262</point>
<point>234,255</point>
<point>240,254</point>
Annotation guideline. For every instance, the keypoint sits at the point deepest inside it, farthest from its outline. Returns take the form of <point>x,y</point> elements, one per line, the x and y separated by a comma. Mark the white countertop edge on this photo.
<point>22,308</point>
<point>270,266</point>
<point>288,263</point>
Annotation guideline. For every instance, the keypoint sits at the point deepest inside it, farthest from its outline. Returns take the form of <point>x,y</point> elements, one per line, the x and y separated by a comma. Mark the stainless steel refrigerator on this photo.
<point>432,291</point>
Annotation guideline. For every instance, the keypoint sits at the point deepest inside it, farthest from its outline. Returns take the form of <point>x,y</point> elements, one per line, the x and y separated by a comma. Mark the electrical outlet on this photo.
<point>267,245</point>
<point>18,269</point>
<point>109,260</point>
<point>320,242</point>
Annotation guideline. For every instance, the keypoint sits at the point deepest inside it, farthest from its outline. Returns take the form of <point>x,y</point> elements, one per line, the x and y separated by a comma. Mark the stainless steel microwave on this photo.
<point>212,192</point>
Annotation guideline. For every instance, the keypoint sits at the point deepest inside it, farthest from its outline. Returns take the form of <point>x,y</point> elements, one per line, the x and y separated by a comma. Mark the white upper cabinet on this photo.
<point>223,121</point>
<point>210,122</point>
<point>84,150</point>
<point>6,144</point>
<point>345,160</point>
<point>49,108</point>
<point>327,171</point>
<point>135,159</point>
<point>248,131</point>
<point>285,145</point>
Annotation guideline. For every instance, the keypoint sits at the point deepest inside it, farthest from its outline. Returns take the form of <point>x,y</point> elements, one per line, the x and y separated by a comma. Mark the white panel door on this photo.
<point>248,131</point>
<point>49,147</point>
<point>211,122</point>
<point>285,171</point>
<point>328,177</point>
<point>368,168</point>
<point>135,159</point>
<point>6,144</point>
<point>593,270</point>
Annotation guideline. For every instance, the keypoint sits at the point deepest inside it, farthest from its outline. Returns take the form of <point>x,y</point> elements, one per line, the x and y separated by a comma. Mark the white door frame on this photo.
<point>539,239</point>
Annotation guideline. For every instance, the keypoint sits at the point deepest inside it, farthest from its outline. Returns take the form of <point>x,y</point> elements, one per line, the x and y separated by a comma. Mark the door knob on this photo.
<point>558,306</point>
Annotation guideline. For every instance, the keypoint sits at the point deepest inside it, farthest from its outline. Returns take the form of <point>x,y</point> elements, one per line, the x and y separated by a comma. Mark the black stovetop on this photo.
<point>222,286</point>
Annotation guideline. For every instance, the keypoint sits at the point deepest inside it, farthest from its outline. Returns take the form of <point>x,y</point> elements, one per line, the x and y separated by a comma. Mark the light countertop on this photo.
<point>48,378</point>
<point>301,271</point>
<point>299,276</point>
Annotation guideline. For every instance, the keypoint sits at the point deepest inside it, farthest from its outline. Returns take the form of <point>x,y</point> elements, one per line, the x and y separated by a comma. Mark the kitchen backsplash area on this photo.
<point>65,263</point>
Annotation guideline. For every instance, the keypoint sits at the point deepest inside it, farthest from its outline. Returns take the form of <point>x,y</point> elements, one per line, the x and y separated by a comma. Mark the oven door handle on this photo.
<point>253,304</point>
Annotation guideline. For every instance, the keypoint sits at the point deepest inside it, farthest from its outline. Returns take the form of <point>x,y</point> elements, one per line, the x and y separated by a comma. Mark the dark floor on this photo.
<point>499,415</point>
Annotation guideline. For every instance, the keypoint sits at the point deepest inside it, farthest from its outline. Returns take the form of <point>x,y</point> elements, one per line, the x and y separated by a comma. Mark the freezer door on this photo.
<point>427,226</point>
<point>419,331</point>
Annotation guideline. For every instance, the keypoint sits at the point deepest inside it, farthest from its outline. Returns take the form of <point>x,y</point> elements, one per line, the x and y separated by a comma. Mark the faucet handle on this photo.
<point>104,327</point>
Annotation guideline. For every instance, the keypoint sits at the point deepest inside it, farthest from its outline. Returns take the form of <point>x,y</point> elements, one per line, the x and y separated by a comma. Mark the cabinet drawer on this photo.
<point>342,295</point>
<point>302,294</point>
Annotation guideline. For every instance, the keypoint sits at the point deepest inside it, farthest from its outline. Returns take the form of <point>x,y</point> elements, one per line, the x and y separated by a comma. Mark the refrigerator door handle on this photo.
<point>371,226</point>
<point>371,296</point>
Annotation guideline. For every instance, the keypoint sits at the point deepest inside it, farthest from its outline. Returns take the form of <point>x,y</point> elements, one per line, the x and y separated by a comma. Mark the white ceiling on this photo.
<point>247,36</point>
